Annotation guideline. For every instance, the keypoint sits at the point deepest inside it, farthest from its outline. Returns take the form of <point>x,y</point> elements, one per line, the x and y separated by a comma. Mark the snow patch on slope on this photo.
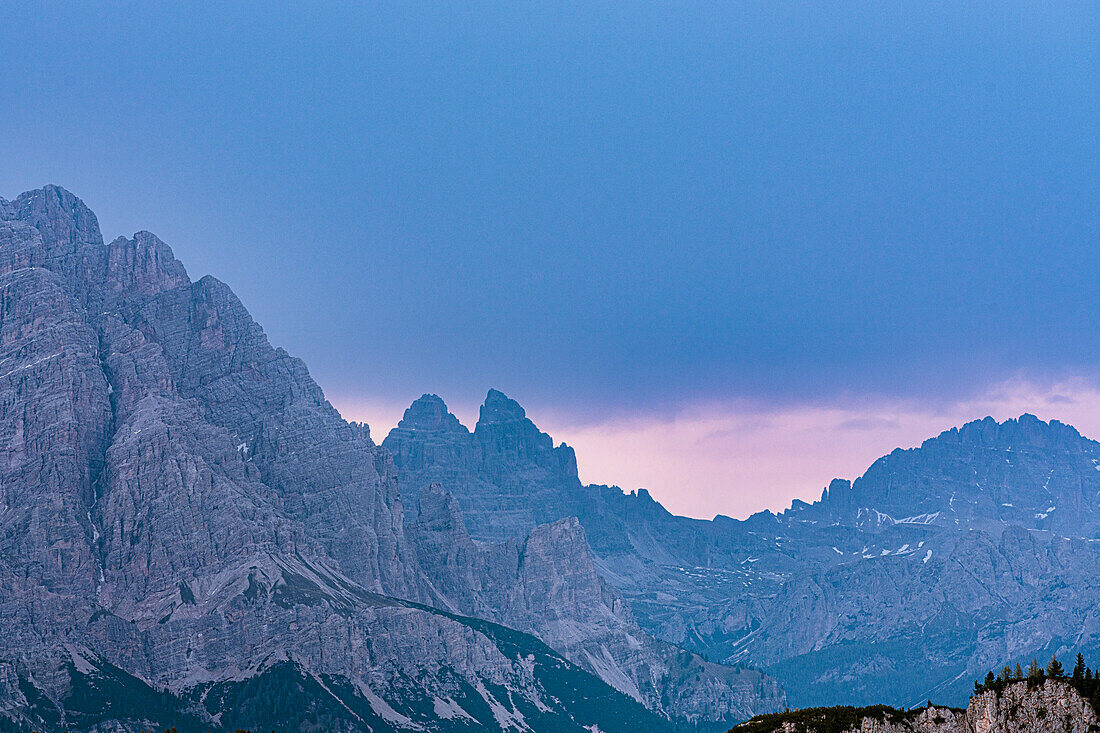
<point>382,708</point>
<point>448,709</point>
<point>505,718</point>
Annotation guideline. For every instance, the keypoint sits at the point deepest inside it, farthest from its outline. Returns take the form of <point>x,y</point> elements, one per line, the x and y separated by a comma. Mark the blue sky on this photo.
<point>615,212</point>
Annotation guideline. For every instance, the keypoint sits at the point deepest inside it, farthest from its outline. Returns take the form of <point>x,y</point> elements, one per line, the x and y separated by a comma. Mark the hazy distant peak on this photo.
<point>1026,431</point>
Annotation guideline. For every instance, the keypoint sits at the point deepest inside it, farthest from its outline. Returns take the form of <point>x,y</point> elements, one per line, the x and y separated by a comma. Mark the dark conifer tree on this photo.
<point>1019,674</point>
<point>1079,668</point>
<point>1034,671</point>
<point>1054,668</point>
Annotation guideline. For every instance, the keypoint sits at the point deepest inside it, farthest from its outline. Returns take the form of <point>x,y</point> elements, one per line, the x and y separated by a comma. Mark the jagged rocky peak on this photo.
<point>430,412</point>
<point>431,437</point>
<point>507,475</point>
<point>836,497</point>
<point>500,408</point>
<point>430,445</point>
<point>504,430</point>
<point>144,265</point>
<point>839,488</point>
<point>131,386</point>
<point>51,228</point>
<point>1027,431</point>
<point>67,225</point>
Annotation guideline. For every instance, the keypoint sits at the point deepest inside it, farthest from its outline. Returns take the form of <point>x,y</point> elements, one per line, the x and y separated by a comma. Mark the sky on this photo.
<point>727,250</point>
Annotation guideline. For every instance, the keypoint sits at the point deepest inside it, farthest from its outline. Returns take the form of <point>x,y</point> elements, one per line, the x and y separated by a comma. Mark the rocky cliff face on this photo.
<point>928,720</point>
<point>517,499</point>
<point>1022,708</point>
<point>548,585</point>
<point>511,475</point>
<point>184,518</point>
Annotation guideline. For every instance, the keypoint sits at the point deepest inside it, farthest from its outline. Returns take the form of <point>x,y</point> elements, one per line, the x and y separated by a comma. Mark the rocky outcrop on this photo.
<point>1049,706</point>
<point>1046,707</point>
<point>928,720</point>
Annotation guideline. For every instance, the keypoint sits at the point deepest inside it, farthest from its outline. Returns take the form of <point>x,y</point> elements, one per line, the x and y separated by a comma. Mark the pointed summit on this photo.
<point>506,433</point>
<point>428,446</point>
<point>500,408</point>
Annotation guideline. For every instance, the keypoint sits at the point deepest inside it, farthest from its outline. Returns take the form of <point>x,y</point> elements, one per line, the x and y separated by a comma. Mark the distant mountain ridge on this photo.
<point>979,545</point>
<point>1020,471</point>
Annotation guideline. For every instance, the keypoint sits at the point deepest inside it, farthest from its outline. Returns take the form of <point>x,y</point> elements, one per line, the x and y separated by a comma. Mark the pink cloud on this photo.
<point>737,459</point>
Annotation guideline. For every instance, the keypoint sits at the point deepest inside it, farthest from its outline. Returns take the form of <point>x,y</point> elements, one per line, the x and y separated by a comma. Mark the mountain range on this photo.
<point>976,548</point>
<point>191,534</point>
<point>184,515</point>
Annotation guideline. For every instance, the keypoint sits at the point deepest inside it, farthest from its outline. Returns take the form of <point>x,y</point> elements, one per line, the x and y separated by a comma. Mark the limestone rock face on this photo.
<point>328,474</point>
<point>186,522</point>
<point>1020,708</point>
<point>548,585</point>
